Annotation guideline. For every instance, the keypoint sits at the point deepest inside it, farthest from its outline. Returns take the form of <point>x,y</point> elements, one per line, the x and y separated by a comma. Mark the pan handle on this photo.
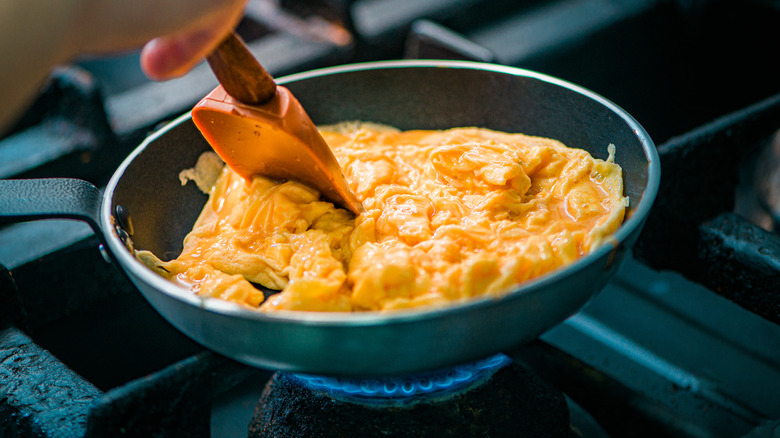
<point>46,198</point>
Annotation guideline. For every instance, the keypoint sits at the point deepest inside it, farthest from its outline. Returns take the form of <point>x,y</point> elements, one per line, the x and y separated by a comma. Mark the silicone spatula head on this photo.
<point>259,128</point>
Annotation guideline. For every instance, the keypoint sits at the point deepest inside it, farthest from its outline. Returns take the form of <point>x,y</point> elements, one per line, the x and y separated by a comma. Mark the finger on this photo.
<point>173,55</point>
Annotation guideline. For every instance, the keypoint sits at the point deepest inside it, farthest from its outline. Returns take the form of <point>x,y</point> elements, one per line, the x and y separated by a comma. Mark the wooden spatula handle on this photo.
<point>239,72</point>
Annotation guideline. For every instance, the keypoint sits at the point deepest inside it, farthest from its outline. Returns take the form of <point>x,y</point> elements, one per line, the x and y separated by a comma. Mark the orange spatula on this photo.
<point>259,128</point>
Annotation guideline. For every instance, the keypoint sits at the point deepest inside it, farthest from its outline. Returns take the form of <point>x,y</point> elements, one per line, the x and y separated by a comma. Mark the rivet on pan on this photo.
<point>123,219</point>
<point>125,238</point>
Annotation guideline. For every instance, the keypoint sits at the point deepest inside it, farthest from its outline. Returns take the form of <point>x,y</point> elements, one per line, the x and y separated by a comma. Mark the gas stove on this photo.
<point>684,341</point>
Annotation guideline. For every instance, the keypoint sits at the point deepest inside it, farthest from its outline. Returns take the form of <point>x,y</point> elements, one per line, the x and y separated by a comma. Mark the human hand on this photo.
<point>36,35</point>
<point>180,33</point>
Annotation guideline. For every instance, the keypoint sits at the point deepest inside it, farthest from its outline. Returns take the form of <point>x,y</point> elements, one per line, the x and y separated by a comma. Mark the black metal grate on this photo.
<point>692,228</point>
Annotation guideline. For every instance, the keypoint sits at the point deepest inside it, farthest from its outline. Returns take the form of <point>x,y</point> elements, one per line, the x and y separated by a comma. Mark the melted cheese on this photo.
<point>450,215</point>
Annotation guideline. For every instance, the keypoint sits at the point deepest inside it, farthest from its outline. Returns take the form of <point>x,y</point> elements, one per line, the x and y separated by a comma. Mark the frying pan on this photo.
<point>146,206</point>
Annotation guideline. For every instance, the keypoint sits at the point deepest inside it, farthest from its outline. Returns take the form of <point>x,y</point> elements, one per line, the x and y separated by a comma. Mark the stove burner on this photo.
<point>493,397</point>
<point>392,390</point>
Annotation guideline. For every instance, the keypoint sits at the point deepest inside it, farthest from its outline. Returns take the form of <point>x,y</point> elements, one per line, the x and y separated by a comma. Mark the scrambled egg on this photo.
<point>450,215</point>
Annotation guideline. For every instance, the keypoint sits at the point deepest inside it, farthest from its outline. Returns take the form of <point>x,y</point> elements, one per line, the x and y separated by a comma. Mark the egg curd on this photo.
<point>449,215</point>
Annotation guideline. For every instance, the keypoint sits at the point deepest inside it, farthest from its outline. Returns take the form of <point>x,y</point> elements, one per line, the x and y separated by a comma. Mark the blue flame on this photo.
<point>378,389</point>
